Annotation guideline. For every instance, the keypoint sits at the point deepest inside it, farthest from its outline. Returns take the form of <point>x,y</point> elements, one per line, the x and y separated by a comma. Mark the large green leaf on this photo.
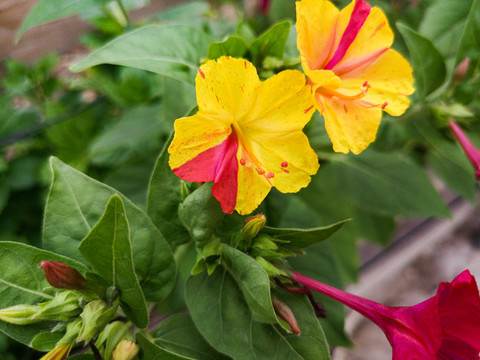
<point>443,23</point>
<point>222,316</point>
<point>76,203</point>
<point>253,281</point>
<point>22,281</point>
<point>108,250</point>
<point>49,10</point>
<point>152,351</point>
<point>179,335</point>
<point>171,50</point>
<point>201,213</point>
<point>428,64</point>
<point>301,238</point>
<point>233,46</point>
<point>164,197</point>
<point>469,44</point>
<point>384,183</point>
<point>270,43</point>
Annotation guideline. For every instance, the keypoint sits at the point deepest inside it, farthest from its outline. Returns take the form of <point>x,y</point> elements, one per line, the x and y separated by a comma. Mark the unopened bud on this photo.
<point>95,316</point>
<point>285,313</point>
<point>62,276</point>
<point>20,314</point>
<point>252,226</point>
<point>126,350</point>
<point>461,71</point>
<point>59,353</point>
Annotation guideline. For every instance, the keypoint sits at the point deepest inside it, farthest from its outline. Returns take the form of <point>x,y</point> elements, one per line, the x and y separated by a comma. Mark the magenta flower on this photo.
<point>470,150</point>
<point>264,5</point>
<point>444,327</point>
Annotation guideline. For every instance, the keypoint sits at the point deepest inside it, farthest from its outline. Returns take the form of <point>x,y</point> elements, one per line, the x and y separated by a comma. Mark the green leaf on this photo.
<point>171,50</point>
<point>470,41</point>
<point>253,281</point>
<point>444,22</point>
<point>233,46</point>
<point>152,351</point>
<point>230,328</point>
<point>427,62</point>
<point>384,183</point>
<point>46,341</point>
<point>108,250</point>
<point>270,43</point>
<point>178,334</point>
<point>76,203</point>
<point>22,281</point>
<point>135,133</point>
<point>201,213</point>
<point>302,238</point>
<point>49,10</point>
<point>164,198</point>
<point>320,263</point>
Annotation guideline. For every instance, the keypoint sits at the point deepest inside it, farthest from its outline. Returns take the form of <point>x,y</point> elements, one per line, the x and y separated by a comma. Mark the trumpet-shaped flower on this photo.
<point>247,135</point>
<point>353,73</point>
<point>444,327</point>
<point>473,154</point>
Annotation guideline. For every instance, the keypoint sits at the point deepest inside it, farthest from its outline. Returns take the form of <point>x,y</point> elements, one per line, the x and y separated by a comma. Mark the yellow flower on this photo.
<point>353,73</point>
<point>247,135</point>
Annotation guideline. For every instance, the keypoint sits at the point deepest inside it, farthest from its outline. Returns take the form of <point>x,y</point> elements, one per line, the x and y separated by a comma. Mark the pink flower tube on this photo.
<point>470,150</point>
<point>444,327</point>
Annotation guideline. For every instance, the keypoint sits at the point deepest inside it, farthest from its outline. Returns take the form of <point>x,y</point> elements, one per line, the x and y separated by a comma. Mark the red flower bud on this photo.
<point>461,70</point>
<point>62,276</point>
<point>285,313</point>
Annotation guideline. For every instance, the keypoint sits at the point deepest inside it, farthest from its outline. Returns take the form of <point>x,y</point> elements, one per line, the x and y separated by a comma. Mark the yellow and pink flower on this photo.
<point>247,135</point>
<point>353,72</point>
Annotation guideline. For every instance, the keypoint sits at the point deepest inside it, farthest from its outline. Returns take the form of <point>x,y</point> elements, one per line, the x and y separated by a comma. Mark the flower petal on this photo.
<point>351,126</point>
<point>252,189</point>
<point>389,79</point>
<point>374,37</point>
<point>284,103</point>
<point>315,31</point>
<point>226,87</point>
<point>289,159</point>
<point>194,135</point>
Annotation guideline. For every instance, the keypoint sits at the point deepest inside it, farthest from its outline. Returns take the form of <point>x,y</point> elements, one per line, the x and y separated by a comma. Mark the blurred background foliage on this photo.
<point>112,121</point>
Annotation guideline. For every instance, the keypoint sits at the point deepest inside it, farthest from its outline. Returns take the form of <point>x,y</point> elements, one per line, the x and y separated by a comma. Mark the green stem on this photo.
<point>124,12</point>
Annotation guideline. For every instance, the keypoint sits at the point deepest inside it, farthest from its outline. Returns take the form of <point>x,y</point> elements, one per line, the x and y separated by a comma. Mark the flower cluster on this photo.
<point>247,135</point>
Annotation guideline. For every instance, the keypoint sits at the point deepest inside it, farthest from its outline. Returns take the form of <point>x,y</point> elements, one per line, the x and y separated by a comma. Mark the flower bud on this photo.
<point>20,314</point>
<point>126,350</point>
<point>95,316</point>
<point>62,276</point>
<point>285,313</point>
<point>59,353</point>
<point>252,226</point>
<point>461,71</point>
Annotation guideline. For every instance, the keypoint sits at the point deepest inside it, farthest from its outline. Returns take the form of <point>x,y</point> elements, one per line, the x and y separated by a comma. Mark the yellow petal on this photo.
<point>351,126</point>
<point>375,35</point>
<point>194,135</point>
<point>289,159</point>
<point>284,103</point>
<point>390,79</point>
<point>315,31</point>
<point>226,87</point>
<point>252,189</point>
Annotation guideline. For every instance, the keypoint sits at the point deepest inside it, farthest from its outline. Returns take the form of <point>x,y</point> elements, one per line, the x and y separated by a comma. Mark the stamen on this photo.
<point>243,161</point>
<point>284,164</point>
<point>384,105</point>
<point>260,171</point>
<point>270,175</point>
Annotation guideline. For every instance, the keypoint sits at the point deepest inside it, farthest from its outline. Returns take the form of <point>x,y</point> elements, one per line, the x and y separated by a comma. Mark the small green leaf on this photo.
<point>201,213</point>
<point>270,43</point>
<point>233,46</point>
<point>302,238</point>
<point>171,50</point>
<point>108,250</point>
<point>428,64</point>
<point>230,328</point>
<point>470,40</point>
<point>46,341</point>
<point>49,10</point>
<point>22,281</point>
<point>253,281</point>
<point>164,198</point>
<point>81,200</point>
<point>178,334</point>
<point>152,351</point>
